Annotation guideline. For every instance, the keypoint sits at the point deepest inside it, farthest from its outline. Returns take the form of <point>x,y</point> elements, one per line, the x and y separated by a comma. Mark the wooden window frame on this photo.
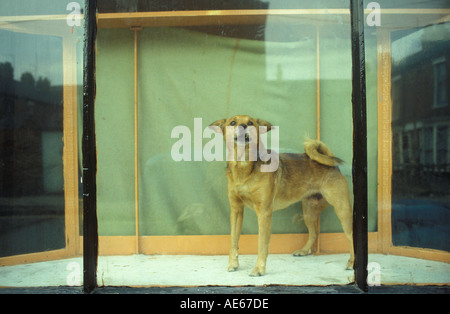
<point>384,242</point>
<point>327,243</point>
<point>55,26</point>
<point>380,241</point>
<point>282,243</point>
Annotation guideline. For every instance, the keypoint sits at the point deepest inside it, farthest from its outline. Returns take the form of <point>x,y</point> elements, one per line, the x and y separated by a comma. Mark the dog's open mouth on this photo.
<point>242,139</point>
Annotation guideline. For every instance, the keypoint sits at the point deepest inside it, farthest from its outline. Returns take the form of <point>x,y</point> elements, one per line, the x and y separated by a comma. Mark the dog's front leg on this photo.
<point>236,217</point>
<point>264,232</point>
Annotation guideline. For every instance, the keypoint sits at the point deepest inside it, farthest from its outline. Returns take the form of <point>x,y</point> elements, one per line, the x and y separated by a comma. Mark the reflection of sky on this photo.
<point>407,46</point>
<point>40,55</point>
<point>411,44</point>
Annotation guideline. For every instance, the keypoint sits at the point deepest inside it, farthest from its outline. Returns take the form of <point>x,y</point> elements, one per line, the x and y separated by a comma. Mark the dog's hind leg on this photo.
<point>345,215</point>
<point>338,195</point>
<point>312,207</point>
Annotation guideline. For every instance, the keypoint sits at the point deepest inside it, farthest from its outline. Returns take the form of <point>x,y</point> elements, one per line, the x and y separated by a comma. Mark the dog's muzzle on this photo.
<point>242,135</point>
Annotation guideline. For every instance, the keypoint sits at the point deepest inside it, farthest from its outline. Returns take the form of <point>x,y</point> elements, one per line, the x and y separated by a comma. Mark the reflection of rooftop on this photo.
<point>26,104</point>
<point>416,42</point>
<point>32,205</point>
<point>53,96</point>
<point>406,46</point>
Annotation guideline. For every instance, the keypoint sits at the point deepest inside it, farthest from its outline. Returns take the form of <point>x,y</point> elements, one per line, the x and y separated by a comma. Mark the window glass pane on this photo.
<point>40,69</point>
<point>162,185</point>
<point>412,44</point>
<point>32,177</point>
<point>421,186</point>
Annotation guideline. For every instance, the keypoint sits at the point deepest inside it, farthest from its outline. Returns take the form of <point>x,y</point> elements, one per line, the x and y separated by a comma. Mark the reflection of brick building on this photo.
<point>421,112</point>
<point>30,126</point>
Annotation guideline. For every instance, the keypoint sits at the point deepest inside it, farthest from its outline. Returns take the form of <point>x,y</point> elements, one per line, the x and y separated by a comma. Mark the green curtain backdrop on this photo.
<point>185,75</point>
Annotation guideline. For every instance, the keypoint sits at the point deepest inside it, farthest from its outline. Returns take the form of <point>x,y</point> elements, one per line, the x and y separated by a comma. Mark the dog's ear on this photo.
<point>264,123</point>
<point>219,123</point>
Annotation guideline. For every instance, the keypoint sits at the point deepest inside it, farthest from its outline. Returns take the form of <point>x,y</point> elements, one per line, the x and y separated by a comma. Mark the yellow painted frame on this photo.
<point>380,241</point>
<point>56,26</point>
<point>208,244</point>
<point>384,237</point>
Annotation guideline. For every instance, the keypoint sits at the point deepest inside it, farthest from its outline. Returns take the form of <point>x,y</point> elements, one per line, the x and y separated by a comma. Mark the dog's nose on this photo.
<point>243,125</point>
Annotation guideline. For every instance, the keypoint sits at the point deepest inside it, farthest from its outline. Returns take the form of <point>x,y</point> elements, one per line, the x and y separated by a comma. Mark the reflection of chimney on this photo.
<point>435,33</point>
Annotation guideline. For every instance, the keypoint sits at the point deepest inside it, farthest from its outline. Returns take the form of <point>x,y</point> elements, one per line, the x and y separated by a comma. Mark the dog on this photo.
<point>313,178</point>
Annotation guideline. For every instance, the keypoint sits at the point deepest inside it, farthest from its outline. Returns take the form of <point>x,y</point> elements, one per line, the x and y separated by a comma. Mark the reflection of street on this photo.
<point>31,224</point>
<point>421,137</point>
<point>31,130</point>
<point>420,104</point>
<point>32,217</point>
<point>421,223</point>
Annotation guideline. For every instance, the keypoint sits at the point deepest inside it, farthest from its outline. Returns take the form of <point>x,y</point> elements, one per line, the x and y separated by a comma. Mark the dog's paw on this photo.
<point>232,268</point>
<point>257,272</point>
<point>302,252</point>
<point>349,265</point>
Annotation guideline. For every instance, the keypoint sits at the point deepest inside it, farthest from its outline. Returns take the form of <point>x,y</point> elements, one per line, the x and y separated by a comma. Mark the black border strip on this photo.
<point>360,236</point>
<point>90,231</point>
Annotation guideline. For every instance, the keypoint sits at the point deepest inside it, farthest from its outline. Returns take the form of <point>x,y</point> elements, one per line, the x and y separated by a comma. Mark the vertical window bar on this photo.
<point>359,144</point>
<point>90,231</point>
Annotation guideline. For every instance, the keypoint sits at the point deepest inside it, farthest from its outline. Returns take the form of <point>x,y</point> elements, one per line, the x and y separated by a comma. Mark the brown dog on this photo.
<point>313,178</point>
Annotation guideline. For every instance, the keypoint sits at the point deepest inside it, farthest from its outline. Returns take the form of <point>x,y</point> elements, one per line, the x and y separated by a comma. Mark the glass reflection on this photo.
<point>31,131</point>
<point>421,138</point>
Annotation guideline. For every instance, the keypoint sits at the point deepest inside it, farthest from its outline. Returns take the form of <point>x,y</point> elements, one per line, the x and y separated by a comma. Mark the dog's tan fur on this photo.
<point>312,178</point>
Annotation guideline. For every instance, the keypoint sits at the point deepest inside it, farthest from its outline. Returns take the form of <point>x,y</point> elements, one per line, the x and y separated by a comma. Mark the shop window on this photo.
<point>420,184</point>
<point>40,89</point>
<point>164,72</point>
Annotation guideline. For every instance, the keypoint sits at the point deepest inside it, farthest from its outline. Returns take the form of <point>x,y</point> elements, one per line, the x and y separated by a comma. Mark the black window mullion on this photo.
<point>359,144</point>
<point>90,231</point>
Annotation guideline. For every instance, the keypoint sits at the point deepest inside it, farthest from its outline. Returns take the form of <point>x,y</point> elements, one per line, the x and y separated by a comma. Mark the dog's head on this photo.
<point>241,130</point>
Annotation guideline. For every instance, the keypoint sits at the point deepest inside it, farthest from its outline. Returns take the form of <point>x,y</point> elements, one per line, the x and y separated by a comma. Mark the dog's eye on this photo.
<point>250,123</point>
<point>233,123</point>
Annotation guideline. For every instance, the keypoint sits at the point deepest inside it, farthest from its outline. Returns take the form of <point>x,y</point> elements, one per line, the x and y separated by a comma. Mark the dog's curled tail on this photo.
<point>319,152</point>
